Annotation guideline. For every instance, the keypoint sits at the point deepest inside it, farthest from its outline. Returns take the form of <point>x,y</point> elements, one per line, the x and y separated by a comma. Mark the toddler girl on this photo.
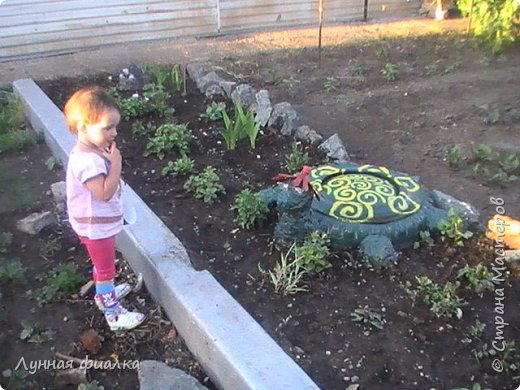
<point>94,195</point>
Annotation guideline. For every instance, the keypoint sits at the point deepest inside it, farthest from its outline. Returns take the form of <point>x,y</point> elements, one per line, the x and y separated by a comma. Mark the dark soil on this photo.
<point>25,188</point>
<point>445,88</point>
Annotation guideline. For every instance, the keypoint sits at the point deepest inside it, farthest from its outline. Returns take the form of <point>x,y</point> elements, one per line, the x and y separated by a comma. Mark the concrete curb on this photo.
<point>231,346</point>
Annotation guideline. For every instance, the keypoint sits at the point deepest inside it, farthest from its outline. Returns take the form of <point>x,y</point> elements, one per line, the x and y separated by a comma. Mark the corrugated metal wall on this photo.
<point>30,27</point>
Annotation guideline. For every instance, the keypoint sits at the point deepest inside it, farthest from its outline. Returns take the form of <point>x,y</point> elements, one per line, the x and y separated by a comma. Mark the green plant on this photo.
<point>178,78</point>
<point>476,330</point>
<point>158,101</point>
<point>52,163</point>
<point>133,107</point>
<point>168,137</point>
<point>94,385</point>
<point>214,111</point>
<point>495,21</point>
<point>482,152</point>
<point>453,227</point>
<point>139,128</point>
<point>382,53</point>
<point>443,300</point>
<point>312,254</point>
<point>206,185</point>
<point>331,84</point>
<point>241,126</point>
<point>249,208</point>
<point>181,166</point>
<point>6,239</point>
<point>61,281</point>
<point>287,275</point>
<point>361,69</point>
<point>12,115</point>
<point>425,240</point>
<point>368,316</point>
<point>36,333</point>
<point>158,73</point>
<point>297,158</point>
<point>478,277</point>
<point>502,178</point>
<point>390,71</point>
<point>16,140</point>
<point>509,162</point>
<point>450,68</point>
<point>508,355</point>
<point>13,271</point>
<point>454,156</point>
<point>431,68</point>
<point>290,82</point>
<point>19,379</point>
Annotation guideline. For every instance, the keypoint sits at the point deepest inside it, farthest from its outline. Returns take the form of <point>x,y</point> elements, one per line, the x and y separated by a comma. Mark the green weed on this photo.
<point>476,330</point>
<point>12,271</point>
<point>478,277</point>
<point>313,253</point>
<point>168,137</point>
<point>368,316</point>
<point>390,71</point>
<point>249,208</point>
<point>296,159</point>
<point>182,166</point>
<point>453,227</point>
<point>205,186</point>
<point>331,84</point>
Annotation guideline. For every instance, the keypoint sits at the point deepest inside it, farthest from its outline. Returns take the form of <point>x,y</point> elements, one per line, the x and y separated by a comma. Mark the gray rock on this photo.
<point>284,118</point>
<point>262,107</point>
<point>207,80</point>
<point>334,148</point>
<point>244,95</point>
<point>214,90</point>
<point>305,133</point>
<point>35,222</point>
<point>196,71</point>
<point>228,87</point>
<point>465,210</point>
<point>132,78</point>
<point>59,193</point>
<point>154,375</point>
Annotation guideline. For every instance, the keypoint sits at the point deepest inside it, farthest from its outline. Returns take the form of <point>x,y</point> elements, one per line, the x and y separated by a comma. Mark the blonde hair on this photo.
<point>87,105</point>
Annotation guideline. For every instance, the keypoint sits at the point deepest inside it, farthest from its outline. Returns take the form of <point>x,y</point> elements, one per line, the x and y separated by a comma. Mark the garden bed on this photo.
<point>38,322</point>
<point>415,348</point>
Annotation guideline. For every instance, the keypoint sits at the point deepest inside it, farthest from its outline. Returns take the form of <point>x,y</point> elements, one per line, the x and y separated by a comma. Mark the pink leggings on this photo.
<point>102,254</point>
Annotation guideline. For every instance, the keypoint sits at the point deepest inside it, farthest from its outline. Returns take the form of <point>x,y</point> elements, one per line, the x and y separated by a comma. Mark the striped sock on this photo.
<point>106,292</point>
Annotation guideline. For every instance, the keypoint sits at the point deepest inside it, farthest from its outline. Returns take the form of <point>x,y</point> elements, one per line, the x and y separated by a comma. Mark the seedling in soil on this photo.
<point>182,166</point>
<point>491,116</point>
<point>5,240</point>
<point>139,128</point>
<point>508,355</point>
<point>482,152</point>
<point>390,71</point>
<point>368,316</point>
<point>476,330</point>
<point>243,125</point>
<point>206,185</point>
<point>168,137</point>
<point>158,73</point>
<point>290,83</point>
<point>454,157</point>
<point>19,379</point>
<point>52,163</point>
<point>382,53</point>
<point>13,271</point>
<point>313,253</point>
<point>178,78</point>
<point>425,240</point>
<point>502,178</point>
<point>287,276</point>
<point>296,159</point>
<point>509,162</point>
<point>443,300</point>
<point>478,277</point>
<point>36,333</point>
<point>331,84</point>
<point>453,227</point>
<point>61,281</point>
<point>214,112</point>
<point>450,68</point>
<point>157,101</point>
<point>250,208</point>
<point>94,385</point>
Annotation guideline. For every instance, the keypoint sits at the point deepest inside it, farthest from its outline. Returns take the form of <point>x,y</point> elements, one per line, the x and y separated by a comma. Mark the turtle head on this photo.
<point>287,197</point>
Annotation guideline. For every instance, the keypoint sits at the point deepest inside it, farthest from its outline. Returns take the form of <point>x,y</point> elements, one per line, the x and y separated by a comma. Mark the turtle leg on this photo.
<point>378,250</point>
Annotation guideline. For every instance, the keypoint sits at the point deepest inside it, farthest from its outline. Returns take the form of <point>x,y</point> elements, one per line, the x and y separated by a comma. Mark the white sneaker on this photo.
<point>121,290</point>
<point>123,319</point>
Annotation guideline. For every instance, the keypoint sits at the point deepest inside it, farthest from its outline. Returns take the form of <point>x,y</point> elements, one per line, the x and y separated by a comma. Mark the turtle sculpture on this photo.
<point>375,208</point>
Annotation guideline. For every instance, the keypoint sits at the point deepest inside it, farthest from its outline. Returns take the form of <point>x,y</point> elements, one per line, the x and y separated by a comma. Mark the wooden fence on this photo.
<point>32,27</point>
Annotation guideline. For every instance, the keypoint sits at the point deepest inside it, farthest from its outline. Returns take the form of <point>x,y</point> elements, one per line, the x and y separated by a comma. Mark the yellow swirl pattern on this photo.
<point>370,192</point>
